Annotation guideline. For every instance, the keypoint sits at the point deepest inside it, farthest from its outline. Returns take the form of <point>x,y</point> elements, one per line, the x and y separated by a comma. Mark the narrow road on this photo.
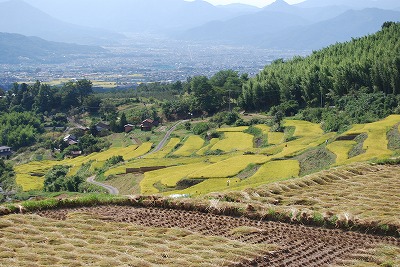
<point>164,140</point>
<point>113,190</point>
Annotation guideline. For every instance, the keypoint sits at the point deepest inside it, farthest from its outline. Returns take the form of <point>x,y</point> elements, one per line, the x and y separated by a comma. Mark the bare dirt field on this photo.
<point>296,245</point>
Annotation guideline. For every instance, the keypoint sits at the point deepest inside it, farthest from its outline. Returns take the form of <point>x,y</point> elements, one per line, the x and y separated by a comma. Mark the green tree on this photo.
<point>85,88</point>
<point>122,121</point>
<point>204,93</point>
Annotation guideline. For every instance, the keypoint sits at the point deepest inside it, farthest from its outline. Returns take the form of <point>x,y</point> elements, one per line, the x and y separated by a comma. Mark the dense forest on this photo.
<point>23,108</point>
<point>362,74</point>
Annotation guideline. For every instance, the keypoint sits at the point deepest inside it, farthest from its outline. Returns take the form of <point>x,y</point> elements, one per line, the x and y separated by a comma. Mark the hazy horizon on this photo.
<point>258,3</point>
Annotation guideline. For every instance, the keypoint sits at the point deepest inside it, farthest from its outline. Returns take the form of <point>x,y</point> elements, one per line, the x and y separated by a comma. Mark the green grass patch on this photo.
<point>315,159</point>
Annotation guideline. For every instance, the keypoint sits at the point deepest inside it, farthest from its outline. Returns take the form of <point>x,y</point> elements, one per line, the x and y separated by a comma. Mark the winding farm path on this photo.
<point>114,191</point>
<point>164,140</point>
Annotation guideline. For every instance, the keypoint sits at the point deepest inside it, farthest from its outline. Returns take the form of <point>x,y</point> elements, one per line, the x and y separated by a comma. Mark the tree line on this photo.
<point>24,106</point>
<point>370,64</point>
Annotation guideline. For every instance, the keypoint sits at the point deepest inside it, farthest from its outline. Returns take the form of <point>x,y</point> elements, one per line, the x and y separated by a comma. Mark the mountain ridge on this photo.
<point>17,48</point>
<point>32,21</point>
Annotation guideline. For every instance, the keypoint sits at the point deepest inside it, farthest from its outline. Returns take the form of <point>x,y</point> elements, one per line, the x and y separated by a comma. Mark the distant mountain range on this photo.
<point>284,26</point>
<point>139,15</point>
<point>16,48</point>
<point>354,4</point>
<point>19,17</point>
<point>311,24</point>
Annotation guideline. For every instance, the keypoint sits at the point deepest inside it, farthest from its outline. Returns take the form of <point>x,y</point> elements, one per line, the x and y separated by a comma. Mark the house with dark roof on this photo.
<point>71,140</point>
<point>148,124</point>
<point>101,126</point>
<point>128,127</point>
<point>5,152</point>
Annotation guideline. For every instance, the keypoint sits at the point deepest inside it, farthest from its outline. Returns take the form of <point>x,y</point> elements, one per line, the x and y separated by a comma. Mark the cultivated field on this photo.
<point>360,194</point>
<point>214,162</point>
<point>132,236</point>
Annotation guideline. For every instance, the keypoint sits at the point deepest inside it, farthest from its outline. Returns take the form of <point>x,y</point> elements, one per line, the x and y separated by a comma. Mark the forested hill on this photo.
<point>370,64</point>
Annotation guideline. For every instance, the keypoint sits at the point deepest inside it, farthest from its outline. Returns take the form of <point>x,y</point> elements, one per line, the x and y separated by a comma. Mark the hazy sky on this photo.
<point>259,3</point>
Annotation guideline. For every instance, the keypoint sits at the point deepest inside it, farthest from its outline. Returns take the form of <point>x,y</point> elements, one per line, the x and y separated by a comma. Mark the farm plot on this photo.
<point>229,167</point>
<point>234,141</point>
<point>206,148</point>
<point>271,172</point>
<point>305,128</point>
<point>208,186</point>
<point>341,149</point>
<point>168,177</point>
<point>376,145</point>
<point>173,142</point>
<point>30,175</point>
<point>101,235</point>
<point>191,145</point>
<point>84,239</point>
<point>233,129</point>
<point>149,162</point>
<point>275,138</point>
<point>363,193</point>
<point>28,181</point>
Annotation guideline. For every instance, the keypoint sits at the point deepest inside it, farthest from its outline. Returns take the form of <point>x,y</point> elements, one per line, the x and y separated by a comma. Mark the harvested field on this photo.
<point>274,243</point>
<point>364,193</point>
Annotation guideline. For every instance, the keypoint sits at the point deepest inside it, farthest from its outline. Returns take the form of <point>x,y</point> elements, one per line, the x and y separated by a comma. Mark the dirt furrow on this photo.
<point>298,245</point>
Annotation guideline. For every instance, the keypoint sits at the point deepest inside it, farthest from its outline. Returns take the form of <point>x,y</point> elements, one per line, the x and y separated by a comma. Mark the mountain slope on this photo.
<point>22,18</point>
<point>350,24</point>
<point>245,29</point>
<point>354,4</point>
<point>16,48</point>
<point>158,16</point>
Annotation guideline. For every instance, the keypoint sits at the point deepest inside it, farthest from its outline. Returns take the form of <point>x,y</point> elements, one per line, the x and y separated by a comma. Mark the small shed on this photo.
<point>5,152</point>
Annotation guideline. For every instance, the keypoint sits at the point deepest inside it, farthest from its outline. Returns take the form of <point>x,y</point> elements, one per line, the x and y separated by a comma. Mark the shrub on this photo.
<point>200,128</point>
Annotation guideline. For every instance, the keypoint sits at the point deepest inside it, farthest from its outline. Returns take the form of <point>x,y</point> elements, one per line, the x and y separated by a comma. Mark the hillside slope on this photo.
<point>16,48</point>
<point>22,18</point>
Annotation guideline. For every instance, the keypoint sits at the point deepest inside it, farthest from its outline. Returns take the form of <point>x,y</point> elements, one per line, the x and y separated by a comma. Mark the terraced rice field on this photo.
<point>364,193</point>
<point>129,236</point>
<point>234,141</point>
<point>173,142</point>
<point>238,152</point>
<point>229,167</point>
<point>376,143</point>
<point>191,145</point>
<point>28,181</point>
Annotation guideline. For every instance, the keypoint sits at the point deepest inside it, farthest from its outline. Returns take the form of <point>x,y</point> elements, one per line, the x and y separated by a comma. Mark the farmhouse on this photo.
<point>101,126</point>
<point>71,140</point>
<point>128,127</point>
<point>148,124</point>
<point>5,152</point>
